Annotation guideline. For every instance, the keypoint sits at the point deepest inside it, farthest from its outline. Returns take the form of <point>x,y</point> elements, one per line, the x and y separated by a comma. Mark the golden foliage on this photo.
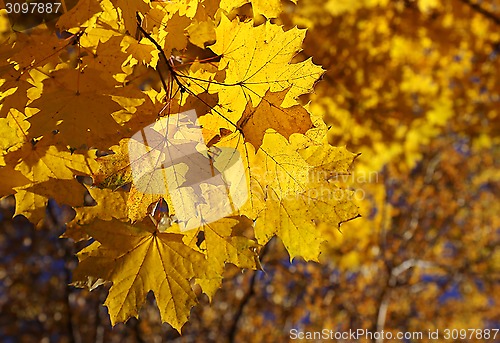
<point>78,93</point>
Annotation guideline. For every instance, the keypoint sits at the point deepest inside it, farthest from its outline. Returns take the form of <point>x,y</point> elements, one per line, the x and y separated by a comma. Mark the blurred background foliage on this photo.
<point>412,86</point>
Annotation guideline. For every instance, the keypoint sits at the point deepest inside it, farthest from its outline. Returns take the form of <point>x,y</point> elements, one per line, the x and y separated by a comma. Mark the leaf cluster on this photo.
<point>76,91</point>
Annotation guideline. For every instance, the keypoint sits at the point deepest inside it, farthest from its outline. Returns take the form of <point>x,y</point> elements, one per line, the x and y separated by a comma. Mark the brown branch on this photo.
<point>160,50</point>
<point>174,74</point>
<point>137,330</point>
<point>233,329</point>
<point>482,11</point>
<point>55,222</point>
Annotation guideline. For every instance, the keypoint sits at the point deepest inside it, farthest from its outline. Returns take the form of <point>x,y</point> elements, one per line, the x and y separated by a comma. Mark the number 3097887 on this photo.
<point>33,7</point>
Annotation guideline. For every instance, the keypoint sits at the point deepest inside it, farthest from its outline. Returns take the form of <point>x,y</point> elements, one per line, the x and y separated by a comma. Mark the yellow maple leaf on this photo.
<point>107,58</point>
<point>79,15</point>
<point>175,33</point>
<point>138,259</point>
<point>42,163</point>
<point>143,51</point>
<point>10,179</point>
<point>39,161</point>
<point>290,192</point>
<point>201,33</point>
<point>257,59</point>
<point>279,166</point>
<point>128,10</point>
<point>298,195</point>
<point>222,244</point>
<point>13,91</point>
<point>69,97</point>
<point>108,205</point>
<point>14,130</point>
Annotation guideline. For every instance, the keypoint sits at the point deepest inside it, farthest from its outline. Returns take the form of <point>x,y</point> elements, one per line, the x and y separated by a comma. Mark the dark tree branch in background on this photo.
<point>483,11</point>
<point>135,323</point>
<point>248,295</point>
<point>233,329</point>
<point>54,221</point>
<point>70,327</point>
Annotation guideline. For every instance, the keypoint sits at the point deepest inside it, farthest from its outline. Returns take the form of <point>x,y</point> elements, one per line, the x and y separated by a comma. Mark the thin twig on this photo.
<point>158,47</point>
